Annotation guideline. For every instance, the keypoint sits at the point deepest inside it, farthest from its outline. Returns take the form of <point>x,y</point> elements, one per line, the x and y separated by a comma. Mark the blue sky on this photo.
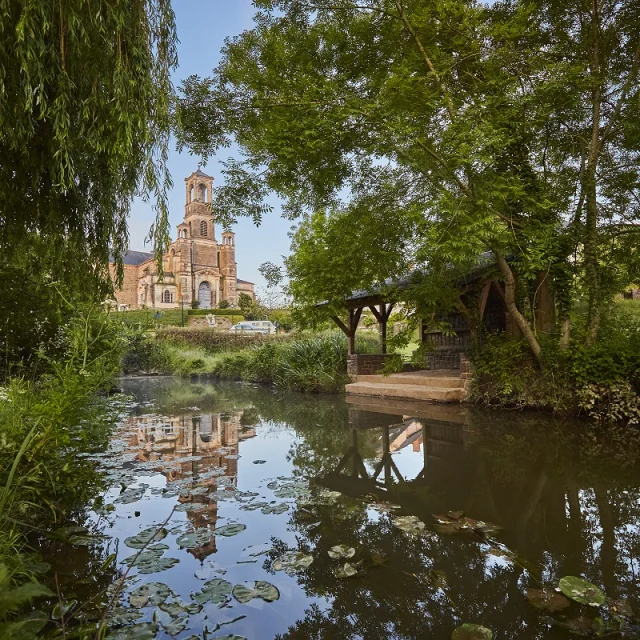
<point>202,27</point>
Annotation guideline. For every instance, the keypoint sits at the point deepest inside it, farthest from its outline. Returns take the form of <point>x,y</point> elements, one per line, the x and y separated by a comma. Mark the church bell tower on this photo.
<point>197,210</point>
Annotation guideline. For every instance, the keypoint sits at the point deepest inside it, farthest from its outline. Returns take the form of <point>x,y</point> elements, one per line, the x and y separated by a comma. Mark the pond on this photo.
<point>237,511</point>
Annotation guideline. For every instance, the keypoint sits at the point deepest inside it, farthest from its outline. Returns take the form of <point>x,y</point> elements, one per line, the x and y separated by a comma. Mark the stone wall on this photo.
<point>366,364</point>
<point>129,292</point>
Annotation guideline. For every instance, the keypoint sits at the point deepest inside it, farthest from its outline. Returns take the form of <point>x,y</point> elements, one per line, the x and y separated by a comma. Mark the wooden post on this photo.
<point>383,329</point>
<point>382,316</point>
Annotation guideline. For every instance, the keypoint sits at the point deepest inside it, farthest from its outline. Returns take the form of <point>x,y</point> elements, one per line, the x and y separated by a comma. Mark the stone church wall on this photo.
<point>129,292</point>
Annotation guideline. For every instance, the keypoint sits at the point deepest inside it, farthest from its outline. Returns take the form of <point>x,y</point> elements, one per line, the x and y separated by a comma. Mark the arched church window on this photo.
<point>166,296</point>
<point>202,192</point>
<point>203,229</point>
<point>191,194</point>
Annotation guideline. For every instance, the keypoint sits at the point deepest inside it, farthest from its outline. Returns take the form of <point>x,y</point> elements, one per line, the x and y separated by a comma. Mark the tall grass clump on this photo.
<point>307,363</point>
<point>45,422</point>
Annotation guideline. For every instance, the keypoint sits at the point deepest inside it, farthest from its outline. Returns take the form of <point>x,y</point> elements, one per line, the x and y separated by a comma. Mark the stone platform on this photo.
<point>433,386</point>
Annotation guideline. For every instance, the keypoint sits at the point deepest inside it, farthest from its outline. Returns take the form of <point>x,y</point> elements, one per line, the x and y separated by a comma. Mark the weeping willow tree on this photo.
<point>85,95</point>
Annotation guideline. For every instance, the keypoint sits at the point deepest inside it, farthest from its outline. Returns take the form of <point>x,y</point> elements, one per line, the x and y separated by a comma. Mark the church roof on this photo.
<point>244,281</point>
<point>202,174</point>
<point>136,257</point>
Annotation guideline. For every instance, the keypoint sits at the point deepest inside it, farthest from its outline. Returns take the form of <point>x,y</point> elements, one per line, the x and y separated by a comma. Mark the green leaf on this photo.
<point>472,632</point>
<point>150,594</point>
<point>263,590</point>
<point>194,539</point>
<point>229,530</point>
<point>217,591</point>
<point>139,541</point>
<point>582,591</point>
<point>341,551</point>
<point>292,562</point>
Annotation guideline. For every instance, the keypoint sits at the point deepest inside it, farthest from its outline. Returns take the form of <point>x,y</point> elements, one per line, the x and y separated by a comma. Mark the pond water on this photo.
<point>249,513</point>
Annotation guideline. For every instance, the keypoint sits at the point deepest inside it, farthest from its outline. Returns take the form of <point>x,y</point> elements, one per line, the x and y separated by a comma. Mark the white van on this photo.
<point>263,324</point>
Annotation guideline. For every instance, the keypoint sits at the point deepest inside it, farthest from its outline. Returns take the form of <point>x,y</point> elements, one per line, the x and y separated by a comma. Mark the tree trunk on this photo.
<point>510,302</point>
<point>592,274</point>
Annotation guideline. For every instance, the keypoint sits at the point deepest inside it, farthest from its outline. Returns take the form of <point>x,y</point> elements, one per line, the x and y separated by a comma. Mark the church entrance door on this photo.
<point>204,295</point>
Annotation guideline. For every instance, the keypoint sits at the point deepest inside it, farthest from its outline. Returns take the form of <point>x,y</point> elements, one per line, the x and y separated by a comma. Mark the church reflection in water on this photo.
<point>199,450</point>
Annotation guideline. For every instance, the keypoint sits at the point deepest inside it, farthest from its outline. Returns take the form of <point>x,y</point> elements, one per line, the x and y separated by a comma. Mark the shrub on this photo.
<point>214,341</point>
<point>216,312</point>
<point>601,381</point>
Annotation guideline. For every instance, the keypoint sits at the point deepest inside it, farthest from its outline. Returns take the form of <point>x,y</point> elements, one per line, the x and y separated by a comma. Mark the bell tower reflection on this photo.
<point>198,452</point>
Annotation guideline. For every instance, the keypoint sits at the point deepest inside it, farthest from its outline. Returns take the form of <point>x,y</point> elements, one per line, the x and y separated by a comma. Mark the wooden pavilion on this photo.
<point>482,297</point>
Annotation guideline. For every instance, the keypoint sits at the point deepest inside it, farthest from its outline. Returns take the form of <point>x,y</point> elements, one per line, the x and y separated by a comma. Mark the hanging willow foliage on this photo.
<point>85,96</point>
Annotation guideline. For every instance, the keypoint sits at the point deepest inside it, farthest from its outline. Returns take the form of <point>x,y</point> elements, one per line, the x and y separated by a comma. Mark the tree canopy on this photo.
<point>85,97</point>
<point>416,133</point>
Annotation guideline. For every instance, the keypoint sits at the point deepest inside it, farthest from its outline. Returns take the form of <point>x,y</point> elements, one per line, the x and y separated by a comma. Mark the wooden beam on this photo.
<point>388,309</point>
<point>483,298</point>
<point>379,317</point>
<point>341,324</point>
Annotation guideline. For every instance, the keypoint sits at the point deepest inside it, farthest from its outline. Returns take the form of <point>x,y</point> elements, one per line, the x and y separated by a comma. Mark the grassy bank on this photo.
<point>313,362</point>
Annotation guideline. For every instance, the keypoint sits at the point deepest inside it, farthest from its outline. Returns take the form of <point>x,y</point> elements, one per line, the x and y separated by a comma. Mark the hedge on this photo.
<point>216,312</point>
<point>215,341</point>
<point>173,317</point>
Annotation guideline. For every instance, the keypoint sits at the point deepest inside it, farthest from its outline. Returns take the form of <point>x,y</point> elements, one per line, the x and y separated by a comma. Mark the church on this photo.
<point>196,268</point>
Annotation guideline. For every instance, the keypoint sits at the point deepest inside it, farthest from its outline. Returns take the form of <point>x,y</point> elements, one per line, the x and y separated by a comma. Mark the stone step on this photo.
<point>446,382</point>
<point>413,391</point>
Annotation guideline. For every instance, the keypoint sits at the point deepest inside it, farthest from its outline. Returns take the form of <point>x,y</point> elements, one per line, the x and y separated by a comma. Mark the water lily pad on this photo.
<point>286,492</point>
<point>128,496</point>
<point>179,609</point>
<point>62,609</point>
<point>409,524</point>
<point>141,631</point>
<point>547,599</point>
<point>275,508</point>
<point>582,591</point>
<point>346,571</point>
<point>87,540</point>
<point>263,590</point>
<point>194,539</point>
<point>150,561</point>
<point>472,632</point>
<point>150,594</point>
<point>176,626</point>
<point>454,523</point>
<point>198,491</point>
<point>229,529</point>
<point>254,506</point>
<point>341,551</point>
<point>292,562</point>
<point>189,506</point>
<point>122,616</point>
<point>216,591</point>
<point>146,536</point>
